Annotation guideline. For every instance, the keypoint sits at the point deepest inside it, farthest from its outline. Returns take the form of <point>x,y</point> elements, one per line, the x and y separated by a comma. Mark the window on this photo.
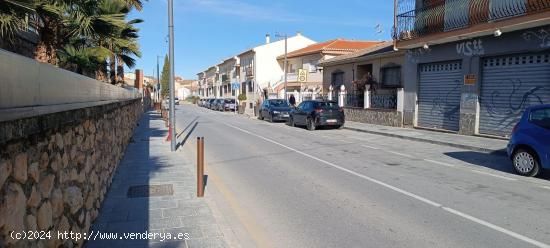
<point>291,68</point>
<point>391,77</point>
<point>311,66</point>
<point>540,117</point>
<point>278,103</point>
<point>337,79</point>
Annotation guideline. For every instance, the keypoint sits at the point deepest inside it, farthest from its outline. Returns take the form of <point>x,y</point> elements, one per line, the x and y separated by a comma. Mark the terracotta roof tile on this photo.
<point>378,48</point>
<point>337,46</point>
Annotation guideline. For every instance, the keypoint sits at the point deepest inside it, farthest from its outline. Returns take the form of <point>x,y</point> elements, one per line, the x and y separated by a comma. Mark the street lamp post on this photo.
<point>171,82</point>
<point>286,60</point>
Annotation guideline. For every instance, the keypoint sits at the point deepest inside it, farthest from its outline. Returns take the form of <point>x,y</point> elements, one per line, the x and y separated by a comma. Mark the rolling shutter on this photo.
<point>439,95</point>
<point>509,85</point>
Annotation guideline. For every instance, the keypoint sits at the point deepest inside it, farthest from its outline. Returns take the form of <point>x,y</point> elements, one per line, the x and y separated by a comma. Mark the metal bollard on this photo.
<point>200,166</point>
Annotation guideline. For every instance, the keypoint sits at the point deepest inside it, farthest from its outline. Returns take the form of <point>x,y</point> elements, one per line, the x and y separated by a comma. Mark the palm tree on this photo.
<point>85,36</point>
<point>126,48</point>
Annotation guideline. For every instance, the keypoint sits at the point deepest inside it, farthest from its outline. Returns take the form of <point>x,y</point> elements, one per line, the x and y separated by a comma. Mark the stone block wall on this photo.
<point>56,169</point>
<point>383,117</point>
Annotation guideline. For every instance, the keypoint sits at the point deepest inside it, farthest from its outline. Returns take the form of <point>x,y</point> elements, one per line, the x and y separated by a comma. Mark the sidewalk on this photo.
<point>153,191</point>
<point>475,143</point>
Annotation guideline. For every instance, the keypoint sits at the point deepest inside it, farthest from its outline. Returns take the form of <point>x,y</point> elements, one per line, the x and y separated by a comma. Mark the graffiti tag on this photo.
<point>470,48</point>
<point>542,36</point>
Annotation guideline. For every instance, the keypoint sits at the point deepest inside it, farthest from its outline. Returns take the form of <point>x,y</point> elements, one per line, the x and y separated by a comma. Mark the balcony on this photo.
<point>249,72</point>
<point>440,16</point>
<point>225,78</point>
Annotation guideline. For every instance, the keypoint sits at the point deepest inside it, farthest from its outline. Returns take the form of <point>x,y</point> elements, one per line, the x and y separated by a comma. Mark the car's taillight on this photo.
<point>319,111</point>
<point>340,109</point>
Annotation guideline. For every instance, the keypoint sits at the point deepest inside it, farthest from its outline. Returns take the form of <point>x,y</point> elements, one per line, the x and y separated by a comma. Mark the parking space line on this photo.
<point>439,163</point>
<point>404,192</point>
<point>493,175</point>
<point>401,154</point>
<point>371,147</point>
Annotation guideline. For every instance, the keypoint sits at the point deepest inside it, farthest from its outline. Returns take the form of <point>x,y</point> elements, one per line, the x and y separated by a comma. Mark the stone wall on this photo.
<point>383,117</point>
<point>55,169</point>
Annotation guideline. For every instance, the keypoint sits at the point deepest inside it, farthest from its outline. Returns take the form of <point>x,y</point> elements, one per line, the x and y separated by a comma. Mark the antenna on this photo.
<point>378,30</point>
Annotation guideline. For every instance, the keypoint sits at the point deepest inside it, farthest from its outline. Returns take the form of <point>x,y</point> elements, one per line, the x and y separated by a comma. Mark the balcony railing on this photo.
<point>446,15</point>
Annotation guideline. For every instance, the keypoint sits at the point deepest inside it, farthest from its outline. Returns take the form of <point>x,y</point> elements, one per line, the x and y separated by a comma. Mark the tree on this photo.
<point>76,35</point>
<point>165,77</point>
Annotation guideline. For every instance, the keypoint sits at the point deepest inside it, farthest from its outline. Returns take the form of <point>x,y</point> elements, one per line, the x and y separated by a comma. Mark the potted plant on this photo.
<point>242,98</point>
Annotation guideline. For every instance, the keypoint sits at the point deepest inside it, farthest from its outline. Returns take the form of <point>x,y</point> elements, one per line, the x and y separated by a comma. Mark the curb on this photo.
<point>501,152</point>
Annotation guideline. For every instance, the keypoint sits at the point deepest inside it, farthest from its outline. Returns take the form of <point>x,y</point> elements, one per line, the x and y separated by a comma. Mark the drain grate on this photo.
<point>150,190</point>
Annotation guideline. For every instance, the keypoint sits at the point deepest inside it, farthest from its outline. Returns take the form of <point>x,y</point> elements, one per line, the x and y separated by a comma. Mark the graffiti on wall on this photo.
<point>414,55</point>
<point>508,111</point>
<point>385,101</point>
<point>446,105</point>
<point>542,36</point>
<point>470,48</point>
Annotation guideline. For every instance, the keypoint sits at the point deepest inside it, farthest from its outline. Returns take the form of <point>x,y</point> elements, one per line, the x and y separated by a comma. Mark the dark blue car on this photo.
<point>529,146</point>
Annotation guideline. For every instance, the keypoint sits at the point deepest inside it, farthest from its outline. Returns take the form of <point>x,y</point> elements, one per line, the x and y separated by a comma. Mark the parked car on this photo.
<point>218,104</point>
<point>317,113</point>
<point>529,146</point>
<point>275,110</point>
<point>230,105</point>
<point>200,102</point>
<point>176,101</point>
<point>210,103</point>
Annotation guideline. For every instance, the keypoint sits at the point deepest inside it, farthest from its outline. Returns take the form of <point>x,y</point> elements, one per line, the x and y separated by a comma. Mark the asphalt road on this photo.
<point>279,186</point>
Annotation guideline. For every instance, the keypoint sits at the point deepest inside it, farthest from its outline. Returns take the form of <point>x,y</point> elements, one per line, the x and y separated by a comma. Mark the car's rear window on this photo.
<point>278,103</point>
<point>540,117</point>
<point>229,100</point>
<point>328,105</point>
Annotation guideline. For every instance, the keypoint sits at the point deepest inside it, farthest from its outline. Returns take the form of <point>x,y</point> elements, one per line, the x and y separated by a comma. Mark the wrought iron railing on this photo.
<point>446,15</point>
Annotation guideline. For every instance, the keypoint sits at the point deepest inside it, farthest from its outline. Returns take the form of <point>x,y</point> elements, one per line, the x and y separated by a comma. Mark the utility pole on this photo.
<point>171,82</point>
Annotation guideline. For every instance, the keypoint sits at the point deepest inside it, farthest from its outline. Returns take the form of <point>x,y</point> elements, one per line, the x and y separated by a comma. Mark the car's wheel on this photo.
<point>260,117</point>
<point>526,163</point>
<point>310,124</point>
<point>340,127</point>
<point>291,122</point>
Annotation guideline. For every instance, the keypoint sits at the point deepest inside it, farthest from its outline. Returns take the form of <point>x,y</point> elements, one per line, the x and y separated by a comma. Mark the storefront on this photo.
<point>478,86</point>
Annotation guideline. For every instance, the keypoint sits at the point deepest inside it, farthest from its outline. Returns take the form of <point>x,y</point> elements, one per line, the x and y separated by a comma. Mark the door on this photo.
<point>264,110</point>
<point>509,85</point>
<point>300,113</point>
<point>439,95</point>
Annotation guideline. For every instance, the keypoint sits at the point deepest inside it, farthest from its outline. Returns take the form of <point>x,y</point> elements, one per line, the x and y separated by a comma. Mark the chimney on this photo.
<point>267,39</point>
<point>298,33</point>
<point>138,84</point>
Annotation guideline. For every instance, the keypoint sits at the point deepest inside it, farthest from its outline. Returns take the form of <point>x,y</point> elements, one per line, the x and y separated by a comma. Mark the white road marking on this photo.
<point>439,163</point>
<point>417,197</point>
<point>371,147</point>
<point>493,175</point>
<point>545,187</point>
<point>497,228</point>
<point>401,154</point>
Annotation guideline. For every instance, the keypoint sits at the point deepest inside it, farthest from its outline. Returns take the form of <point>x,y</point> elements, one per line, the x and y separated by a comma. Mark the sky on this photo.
<point>208,31</point>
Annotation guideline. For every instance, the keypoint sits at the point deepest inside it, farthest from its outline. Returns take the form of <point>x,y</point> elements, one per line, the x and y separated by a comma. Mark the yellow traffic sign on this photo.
<point>302,75</point>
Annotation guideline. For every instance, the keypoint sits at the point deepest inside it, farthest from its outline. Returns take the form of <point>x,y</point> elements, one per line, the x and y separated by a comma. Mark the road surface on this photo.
<point>280,186</point>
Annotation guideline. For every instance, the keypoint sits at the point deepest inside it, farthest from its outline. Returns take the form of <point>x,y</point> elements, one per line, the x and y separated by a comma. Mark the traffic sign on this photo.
<point>235,86</point>
<point>302,75</point>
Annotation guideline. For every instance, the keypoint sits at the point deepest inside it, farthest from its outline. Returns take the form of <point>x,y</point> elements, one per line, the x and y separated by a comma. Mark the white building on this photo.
<point>260,70</point>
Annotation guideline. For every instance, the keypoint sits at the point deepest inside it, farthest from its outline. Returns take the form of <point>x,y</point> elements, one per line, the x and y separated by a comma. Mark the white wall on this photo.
<point>26,82</point>
<point>267,67</point>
